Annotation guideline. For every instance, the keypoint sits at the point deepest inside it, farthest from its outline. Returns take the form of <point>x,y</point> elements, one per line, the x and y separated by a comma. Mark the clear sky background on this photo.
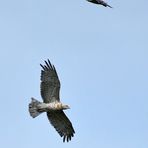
<point>101,56</point>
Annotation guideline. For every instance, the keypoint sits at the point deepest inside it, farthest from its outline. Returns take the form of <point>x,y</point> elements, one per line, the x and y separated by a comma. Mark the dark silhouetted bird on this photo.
<point>100,2</point>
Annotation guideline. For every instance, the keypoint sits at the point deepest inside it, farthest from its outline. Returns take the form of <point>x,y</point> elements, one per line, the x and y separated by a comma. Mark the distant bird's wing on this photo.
<point>100,2</point>
<point>62,124</point>
<point>50,84</point>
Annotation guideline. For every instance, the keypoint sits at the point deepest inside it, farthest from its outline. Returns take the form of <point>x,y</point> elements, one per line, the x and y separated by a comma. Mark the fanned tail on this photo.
<point>33,108</point>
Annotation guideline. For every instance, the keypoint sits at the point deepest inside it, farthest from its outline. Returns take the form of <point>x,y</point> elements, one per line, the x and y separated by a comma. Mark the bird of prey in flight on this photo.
<point>100,2</point>
<point>50,88</point>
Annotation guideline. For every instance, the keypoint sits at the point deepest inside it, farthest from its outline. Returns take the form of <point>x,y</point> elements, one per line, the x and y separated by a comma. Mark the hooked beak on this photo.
<point>66,107</point>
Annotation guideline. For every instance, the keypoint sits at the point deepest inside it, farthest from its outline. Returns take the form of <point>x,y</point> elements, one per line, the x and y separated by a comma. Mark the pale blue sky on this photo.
<point>101,56</point>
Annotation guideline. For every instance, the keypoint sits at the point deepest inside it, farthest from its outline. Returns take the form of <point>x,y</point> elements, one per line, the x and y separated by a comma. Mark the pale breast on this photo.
<point>55,106</point>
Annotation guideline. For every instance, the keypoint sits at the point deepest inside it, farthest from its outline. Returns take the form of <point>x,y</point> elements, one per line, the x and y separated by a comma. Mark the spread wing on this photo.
<point>50,84</point>
<point>62,124</point>
<point>100,2</point>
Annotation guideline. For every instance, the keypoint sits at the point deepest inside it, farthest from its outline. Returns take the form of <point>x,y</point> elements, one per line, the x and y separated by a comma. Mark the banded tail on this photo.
<point>33,108</point>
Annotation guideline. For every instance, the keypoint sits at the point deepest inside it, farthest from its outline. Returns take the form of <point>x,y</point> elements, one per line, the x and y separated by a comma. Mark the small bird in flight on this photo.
<point>50,92</point>
<point>100,2</point>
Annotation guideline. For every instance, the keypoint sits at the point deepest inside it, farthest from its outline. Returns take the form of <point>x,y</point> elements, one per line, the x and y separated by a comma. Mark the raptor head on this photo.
<point>65,106</point>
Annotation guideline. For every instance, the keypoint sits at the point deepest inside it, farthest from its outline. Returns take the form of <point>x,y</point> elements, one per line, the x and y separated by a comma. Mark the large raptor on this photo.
<point>50,88</point>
